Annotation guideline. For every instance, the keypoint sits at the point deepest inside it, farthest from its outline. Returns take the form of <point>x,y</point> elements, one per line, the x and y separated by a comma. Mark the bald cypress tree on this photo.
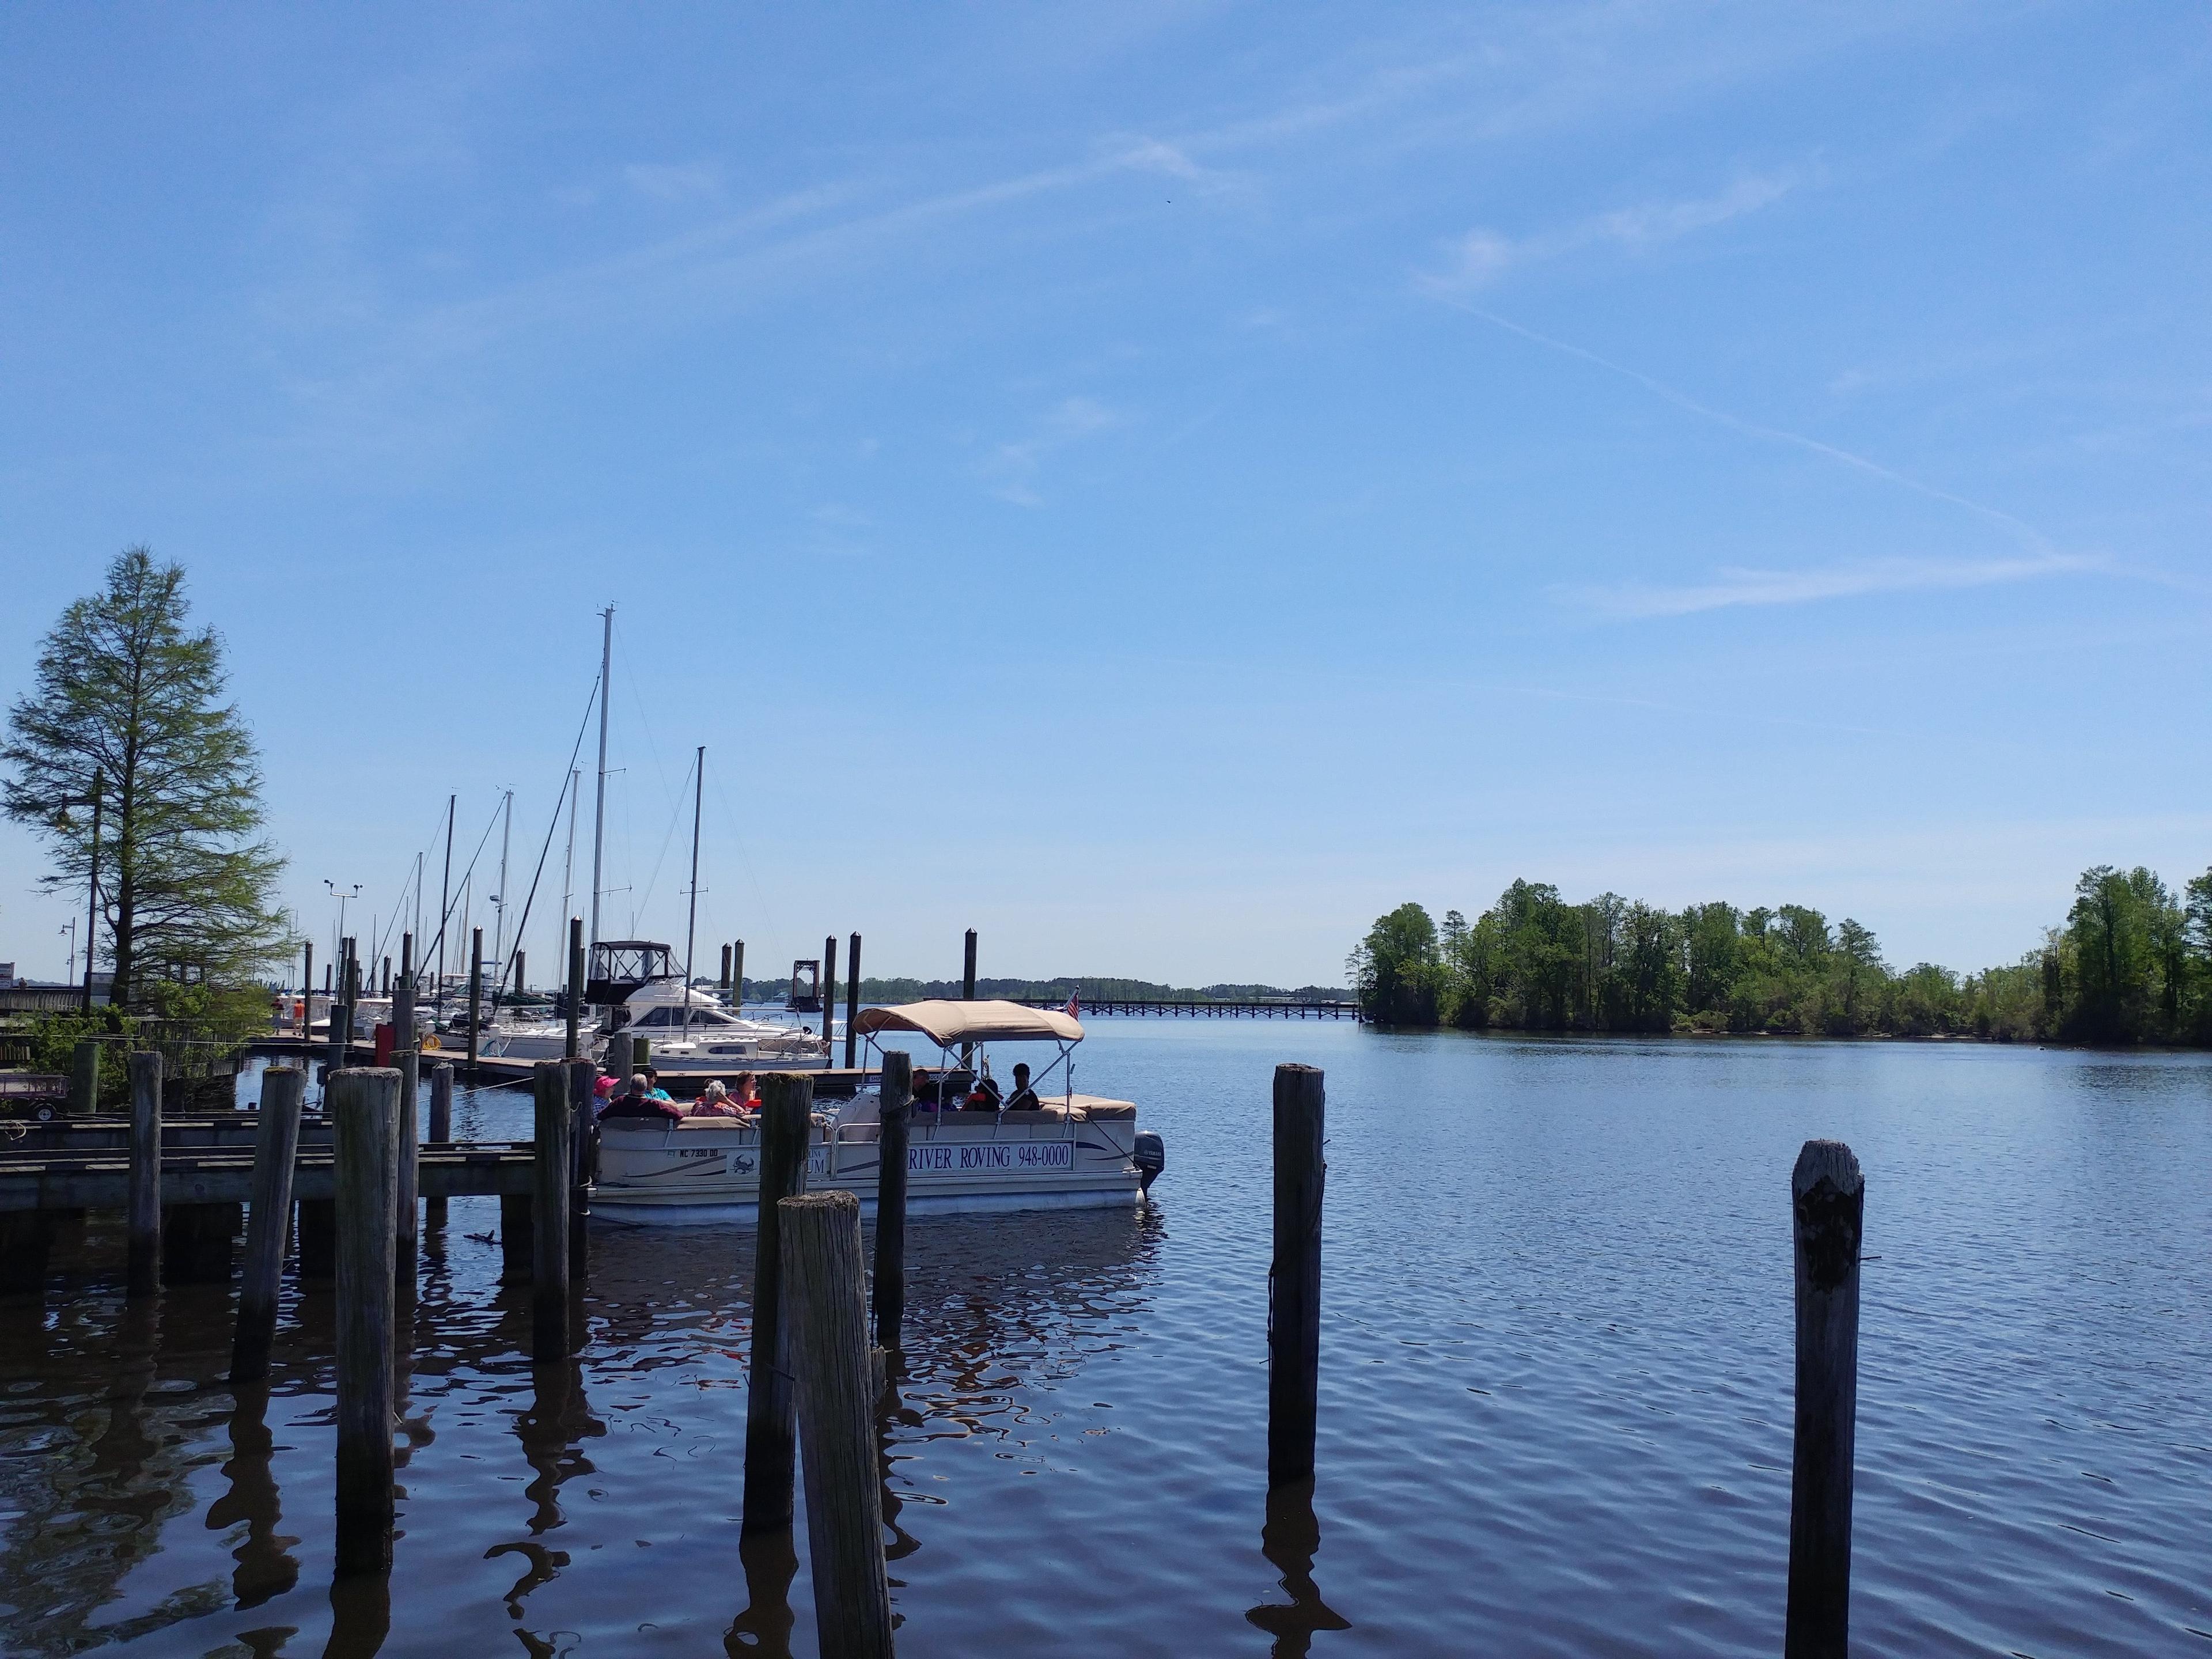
<point>129,700</point>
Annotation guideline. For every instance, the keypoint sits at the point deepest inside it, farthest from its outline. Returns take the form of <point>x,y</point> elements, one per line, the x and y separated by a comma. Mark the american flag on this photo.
<point>1073,1013</point>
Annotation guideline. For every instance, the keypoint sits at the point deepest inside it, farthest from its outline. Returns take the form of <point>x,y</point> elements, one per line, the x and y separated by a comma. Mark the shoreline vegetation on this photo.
<point>2130,966</point>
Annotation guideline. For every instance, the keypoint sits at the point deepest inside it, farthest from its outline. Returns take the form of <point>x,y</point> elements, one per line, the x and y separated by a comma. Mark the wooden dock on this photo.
<point>80,1180</point>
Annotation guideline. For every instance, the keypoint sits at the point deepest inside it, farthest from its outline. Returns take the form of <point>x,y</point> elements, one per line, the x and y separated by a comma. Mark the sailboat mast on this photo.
<point>445,906</point>
<point>691,929</point>
<point>568,868</point>
<point>599,810</point>
<point>499,927</point>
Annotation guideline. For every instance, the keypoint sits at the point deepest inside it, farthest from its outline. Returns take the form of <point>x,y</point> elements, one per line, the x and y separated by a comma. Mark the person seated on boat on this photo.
<point>1024,1098</point>
<point>636,1101</point>
<point>984,1096</point>
<point>927,1090</point>
<point>716,1102</point>
<point>746,1092</point>
<point>653,1085</point>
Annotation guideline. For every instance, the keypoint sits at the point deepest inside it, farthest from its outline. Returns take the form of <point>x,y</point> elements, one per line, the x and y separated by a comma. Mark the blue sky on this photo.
<point>1159,484</point>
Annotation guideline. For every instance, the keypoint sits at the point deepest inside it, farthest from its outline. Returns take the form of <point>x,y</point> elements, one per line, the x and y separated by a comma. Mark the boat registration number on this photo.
<point>993,1155</point>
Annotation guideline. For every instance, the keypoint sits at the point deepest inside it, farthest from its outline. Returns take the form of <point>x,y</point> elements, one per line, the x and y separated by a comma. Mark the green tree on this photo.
<point>2124,933</point>
<point>1395,969</point>
<point>129,700</point>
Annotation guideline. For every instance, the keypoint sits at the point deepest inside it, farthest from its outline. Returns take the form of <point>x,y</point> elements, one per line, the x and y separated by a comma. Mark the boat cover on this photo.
<point>947,1023</point>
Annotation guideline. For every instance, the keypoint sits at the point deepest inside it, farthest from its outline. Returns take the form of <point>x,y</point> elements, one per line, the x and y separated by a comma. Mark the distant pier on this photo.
<point>1205,1008</point>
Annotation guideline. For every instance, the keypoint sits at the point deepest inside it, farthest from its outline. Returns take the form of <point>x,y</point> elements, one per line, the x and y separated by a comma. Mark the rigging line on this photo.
<point>567,777</point>
<point>665,840</point>
<point>383,936</point>
<point>745,858</point>
<point>651,748</point>
<point>465,874</point>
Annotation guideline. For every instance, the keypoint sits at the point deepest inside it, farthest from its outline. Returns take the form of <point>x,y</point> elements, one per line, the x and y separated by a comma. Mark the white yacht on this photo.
<point>1069,1151</point>
<point>690,1033</point>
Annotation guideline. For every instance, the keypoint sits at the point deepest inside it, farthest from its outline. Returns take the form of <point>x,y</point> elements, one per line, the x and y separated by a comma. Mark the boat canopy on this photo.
<point>945,1023</point>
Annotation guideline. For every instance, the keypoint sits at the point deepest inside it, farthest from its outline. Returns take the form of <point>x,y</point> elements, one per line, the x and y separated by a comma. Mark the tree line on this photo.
<point>2132,963</point>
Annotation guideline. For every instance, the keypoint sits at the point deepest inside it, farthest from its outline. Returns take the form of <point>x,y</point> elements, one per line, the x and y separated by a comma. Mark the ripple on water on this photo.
<point>1555,1408</point>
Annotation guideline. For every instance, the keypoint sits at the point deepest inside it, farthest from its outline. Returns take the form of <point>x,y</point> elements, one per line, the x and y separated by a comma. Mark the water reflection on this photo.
<point>1290,1538</point>
<point>552,1431</point>
<point>763,1631</point>
<point>361,1617</point>
<point>266,1567</point>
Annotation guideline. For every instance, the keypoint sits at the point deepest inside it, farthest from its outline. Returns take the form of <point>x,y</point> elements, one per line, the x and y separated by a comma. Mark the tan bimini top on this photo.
<point>945,1023</point>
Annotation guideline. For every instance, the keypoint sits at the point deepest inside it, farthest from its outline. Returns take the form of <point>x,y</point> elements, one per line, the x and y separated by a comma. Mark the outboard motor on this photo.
<point>1151,1157</point>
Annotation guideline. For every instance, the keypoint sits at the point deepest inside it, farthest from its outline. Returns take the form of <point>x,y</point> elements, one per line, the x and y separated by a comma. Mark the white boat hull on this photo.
<point>706,1170</point>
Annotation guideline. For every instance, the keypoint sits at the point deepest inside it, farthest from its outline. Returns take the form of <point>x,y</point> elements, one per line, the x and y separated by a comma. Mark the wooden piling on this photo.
<point>476,995</point>
<point>828,1315</point>
<point>575,1043</point>
<point>407,1248</point>
<point>319,1239</point>
<point>276,1148</point>
<point>853,1004</point>
<point>1828,1206</point>
<point>442,1101</point>
<point>738,973</point>
<point>517,1246</point>
<point>84,1078</point>
<point>582,1074</point>
<point>548,1214</point>
<point>26,1238</point>
<point>787,1127</point>
<point>364,1102</point>
<point>517,980</point>
<point>725,968</point>
<point>967,992</point>
<point>144,1276</point>
<point>895,1116</point>
<point>307,989</point>
<point>829,999</point>
<point>441,1129</point>
<point>1294,1278</point>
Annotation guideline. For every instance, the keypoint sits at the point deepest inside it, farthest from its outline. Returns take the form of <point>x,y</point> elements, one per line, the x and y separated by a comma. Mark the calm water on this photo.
<point>1554,1407</point>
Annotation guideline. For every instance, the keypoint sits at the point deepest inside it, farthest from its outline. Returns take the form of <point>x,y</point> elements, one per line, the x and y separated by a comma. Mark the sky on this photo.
<point>1159,485</point>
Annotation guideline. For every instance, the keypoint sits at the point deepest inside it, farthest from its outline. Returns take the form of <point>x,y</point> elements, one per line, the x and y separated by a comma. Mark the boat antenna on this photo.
<point>691,929</point>
<point>599,810</point>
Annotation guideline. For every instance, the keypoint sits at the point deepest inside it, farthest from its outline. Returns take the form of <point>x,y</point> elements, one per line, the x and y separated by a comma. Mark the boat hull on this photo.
<point>698,1172</point>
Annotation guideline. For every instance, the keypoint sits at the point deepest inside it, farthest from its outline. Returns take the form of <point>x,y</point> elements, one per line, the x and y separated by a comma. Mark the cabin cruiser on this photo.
<point>690,1033</point>
<point>1070,1151</point>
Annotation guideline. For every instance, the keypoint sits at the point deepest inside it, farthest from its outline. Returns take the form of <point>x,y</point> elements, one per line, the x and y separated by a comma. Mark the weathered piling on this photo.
<point>738,973</point>
<point>442,1101</point>
<point>306,987</point>
<point>622,1058</point>
<point>895,1116</point>
<point>84,1078</point>
<point>517,1244</point>
<point>26,1238</point>
<point>828,1319</point>
<point>583,1075</point>
<point>548,1215</point>
<point>575,1045</point>
<point>828,999</point>
<point>276,1148</point>
<point>442,1129</point>
<point>407,1246</point>
<point>1294,1277</point>
<point>476,993</point>
<point>725,968</point>
<point>319,1238</point>
<point>852,1004</point>
<point>363,1105</point>
<point>144,1272</point>
<point>968,991</point>
<point>517,980</point>
<point>786,1126</point>
<point>338,1016</point>
<point>1828,1206</point>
